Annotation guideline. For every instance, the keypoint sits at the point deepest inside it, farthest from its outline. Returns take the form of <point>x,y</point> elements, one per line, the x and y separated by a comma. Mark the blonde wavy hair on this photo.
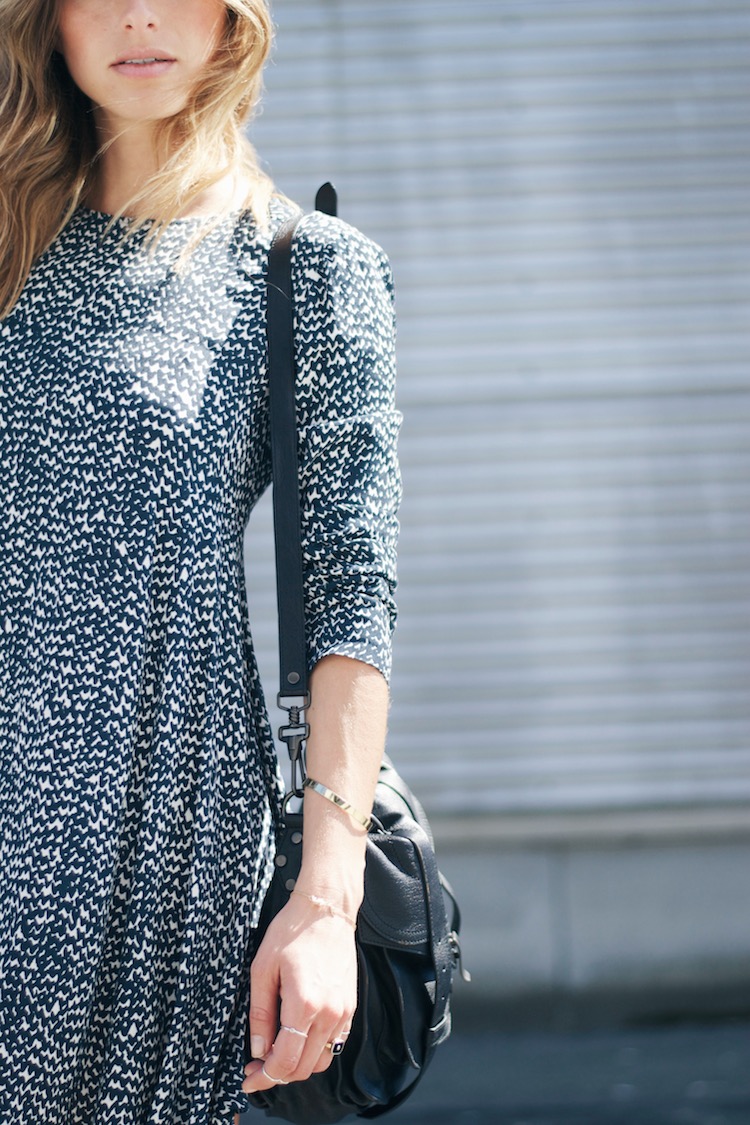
<point>48,145</point>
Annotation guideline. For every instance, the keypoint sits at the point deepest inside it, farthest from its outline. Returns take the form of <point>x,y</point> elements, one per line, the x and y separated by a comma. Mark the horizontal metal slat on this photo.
<point>563,196</point>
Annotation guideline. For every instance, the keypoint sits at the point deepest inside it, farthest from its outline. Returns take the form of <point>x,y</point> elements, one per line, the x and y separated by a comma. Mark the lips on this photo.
<point>144,57</point>
<point>150,64</point>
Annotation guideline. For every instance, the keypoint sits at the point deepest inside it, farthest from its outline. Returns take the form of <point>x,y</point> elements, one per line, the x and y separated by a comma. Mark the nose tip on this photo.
<point>139,15</point>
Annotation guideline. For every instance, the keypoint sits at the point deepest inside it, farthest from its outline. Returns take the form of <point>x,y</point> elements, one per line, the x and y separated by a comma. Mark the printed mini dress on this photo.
<point>138,775</point>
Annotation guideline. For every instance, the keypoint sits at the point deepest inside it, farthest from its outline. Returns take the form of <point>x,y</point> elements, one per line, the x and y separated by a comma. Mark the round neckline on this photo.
<point>184,220</point>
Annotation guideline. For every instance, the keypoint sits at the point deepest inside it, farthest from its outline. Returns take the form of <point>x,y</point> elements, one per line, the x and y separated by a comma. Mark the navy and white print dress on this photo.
<point>138,775</point>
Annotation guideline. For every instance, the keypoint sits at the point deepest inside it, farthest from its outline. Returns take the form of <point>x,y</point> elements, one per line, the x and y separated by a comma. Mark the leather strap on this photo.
<point>282,372</point>
<point>286,505</point>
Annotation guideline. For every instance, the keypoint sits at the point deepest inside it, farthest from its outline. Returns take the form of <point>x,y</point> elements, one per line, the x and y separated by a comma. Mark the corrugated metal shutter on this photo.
<point>563,190</point>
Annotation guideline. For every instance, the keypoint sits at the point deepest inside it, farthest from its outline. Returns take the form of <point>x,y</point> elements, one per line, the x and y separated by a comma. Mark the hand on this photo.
<point>303,993</point>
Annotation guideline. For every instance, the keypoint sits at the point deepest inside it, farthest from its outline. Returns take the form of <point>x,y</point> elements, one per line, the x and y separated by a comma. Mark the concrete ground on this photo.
<point>682,1075</point>
<point>678,1075</point>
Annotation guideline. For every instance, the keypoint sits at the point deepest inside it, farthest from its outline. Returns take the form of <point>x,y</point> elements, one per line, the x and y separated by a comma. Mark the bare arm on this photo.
<point>304,974</point>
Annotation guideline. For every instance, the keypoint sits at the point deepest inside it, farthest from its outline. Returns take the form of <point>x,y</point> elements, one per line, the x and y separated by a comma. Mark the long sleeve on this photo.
<point>348,425</point>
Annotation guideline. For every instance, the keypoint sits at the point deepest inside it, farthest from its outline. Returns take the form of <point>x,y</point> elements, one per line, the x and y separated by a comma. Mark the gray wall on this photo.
<point>562,188</point>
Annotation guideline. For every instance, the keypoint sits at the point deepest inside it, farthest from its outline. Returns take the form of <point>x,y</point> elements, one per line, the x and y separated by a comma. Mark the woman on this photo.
<point>138,777</point>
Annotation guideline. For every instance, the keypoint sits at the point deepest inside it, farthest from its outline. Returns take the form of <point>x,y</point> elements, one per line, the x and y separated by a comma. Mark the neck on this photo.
<point>130,159</point>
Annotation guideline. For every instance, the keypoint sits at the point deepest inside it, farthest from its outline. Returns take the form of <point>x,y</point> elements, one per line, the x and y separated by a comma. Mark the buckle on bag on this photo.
<point>455,945</point>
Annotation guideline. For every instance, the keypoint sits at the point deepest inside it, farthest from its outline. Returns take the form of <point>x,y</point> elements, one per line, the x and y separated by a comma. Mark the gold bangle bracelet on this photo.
<point>339,802</point>
<point>324,904</point>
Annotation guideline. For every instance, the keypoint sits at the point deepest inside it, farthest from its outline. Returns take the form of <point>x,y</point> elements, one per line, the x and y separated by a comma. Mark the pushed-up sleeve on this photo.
<point>348,425</point>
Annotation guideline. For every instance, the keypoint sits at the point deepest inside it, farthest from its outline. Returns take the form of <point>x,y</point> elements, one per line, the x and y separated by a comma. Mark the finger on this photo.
<point>294,1057</point>
<point>326,1058</point>
<point>282,1061</point>
<point>257,1077</point>
<point>288,1050</point>
<point>319,1054</point>
<point>288,1061</point>
<point>264,1009</point>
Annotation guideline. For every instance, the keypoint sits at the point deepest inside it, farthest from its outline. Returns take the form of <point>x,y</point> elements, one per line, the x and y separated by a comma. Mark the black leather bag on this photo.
<point>407,951</point>
<point>407,947</point>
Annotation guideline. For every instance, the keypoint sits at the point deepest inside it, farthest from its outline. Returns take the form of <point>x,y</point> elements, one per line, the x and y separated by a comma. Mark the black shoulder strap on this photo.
<point>286,507</point>
<point>293,688</point>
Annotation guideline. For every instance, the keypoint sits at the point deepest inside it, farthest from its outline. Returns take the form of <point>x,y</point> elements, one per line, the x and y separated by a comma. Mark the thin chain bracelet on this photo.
<point>324,904</point>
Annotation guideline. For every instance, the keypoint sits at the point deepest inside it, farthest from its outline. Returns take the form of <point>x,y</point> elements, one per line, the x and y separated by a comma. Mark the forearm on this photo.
<point>348,718</point>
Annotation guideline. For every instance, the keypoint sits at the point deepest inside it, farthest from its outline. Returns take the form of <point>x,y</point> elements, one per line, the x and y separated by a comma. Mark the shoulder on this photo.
<point>331,246</point>
<point>341,273</point>
<point>324,236</point>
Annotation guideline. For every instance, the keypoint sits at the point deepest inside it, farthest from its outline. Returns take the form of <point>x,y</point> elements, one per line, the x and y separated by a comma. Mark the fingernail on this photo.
<point>257,1046</point>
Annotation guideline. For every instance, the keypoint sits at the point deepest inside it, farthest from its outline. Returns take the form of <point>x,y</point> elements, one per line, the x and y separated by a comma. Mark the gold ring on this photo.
<point>336,1047</point>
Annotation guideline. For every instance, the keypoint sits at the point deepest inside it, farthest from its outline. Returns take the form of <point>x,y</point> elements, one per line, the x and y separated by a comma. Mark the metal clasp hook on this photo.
<point>294,734</point>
